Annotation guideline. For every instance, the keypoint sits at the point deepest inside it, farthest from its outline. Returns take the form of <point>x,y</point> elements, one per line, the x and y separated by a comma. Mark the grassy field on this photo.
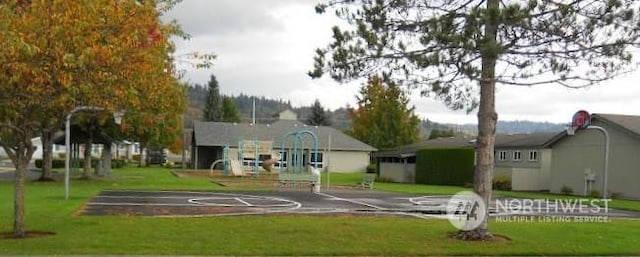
<point>280,235</point>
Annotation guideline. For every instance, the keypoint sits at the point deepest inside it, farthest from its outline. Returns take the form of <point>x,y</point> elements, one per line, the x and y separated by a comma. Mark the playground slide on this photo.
<point>236,168</point>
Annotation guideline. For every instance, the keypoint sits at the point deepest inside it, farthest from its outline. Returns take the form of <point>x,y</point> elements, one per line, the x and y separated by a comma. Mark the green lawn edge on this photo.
<point>278,235</point>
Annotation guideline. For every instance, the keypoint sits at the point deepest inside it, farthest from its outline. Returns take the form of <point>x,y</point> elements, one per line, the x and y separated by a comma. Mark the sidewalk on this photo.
<point>8,174</point>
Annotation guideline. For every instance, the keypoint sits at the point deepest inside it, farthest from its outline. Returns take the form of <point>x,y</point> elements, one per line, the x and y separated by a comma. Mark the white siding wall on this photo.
<point>347,161</point>
<point>398,172</point>
<point>526,179</point>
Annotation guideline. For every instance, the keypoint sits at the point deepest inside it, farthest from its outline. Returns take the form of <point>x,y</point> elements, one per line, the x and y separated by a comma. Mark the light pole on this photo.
<point>67,140</point>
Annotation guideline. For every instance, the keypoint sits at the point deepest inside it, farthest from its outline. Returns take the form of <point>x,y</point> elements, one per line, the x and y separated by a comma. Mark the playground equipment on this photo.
<point>295,171</point>
<point>251,152</point>
<point>225,162</point>
<point>268,164</point>
<point>245,160</point>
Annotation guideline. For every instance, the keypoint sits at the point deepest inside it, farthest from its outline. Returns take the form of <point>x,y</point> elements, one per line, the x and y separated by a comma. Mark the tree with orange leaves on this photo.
<point>58,55</point>
<point>383,118</point>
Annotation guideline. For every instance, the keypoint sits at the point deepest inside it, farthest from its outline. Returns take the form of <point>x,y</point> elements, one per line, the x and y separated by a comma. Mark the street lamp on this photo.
<point>67,140</point>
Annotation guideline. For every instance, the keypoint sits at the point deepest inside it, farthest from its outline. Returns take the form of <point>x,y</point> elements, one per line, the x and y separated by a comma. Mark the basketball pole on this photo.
<point>582,120</point>
<point>605,176</point>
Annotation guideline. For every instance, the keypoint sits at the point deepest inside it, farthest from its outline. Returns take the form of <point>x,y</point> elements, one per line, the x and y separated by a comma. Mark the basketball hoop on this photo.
<point>581,120</point>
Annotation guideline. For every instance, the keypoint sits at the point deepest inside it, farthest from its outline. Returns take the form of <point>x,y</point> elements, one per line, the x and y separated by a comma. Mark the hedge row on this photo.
<point>445,166</point>
<point>59,164</point>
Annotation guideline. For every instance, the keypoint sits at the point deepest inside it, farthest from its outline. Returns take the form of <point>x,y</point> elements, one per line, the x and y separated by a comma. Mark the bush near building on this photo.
<point>451,166</point>
<point>59,164</point>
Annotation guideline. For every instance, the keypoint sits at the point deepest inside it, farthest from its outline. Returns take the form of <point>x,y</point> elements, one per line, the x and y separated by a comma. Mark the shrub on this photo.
<point>55,164</point>
<point>118,163</point>
<point>616,195</point>
<point>59,164</point>
<point>135,157</point>
<point>502,183</point>
<point>449,166</point>
<point>594,193</point>
<point>371,168</point>
<point>566,190</point>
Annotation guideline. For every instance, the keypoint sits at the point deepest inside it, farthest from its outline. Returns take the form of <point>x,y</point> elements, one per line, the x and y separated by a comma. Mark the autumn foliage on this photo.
<point>58,55</point>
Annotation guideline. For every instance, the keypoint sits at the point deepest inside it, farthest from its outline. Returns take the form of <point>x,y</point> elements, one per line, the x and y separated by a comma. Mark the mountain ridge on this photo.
<point>267,110</point>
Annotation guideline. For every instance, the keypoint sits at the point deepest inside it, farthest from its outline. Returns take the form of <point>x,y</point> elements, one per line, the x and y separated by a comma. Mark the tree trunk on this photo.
<point>20,156</point>
<point>87,160</point>
<point>47,155</point>
<point>487,118</point>
<point>106,160</point>
<point>143,155</point>
<point>19,226</point>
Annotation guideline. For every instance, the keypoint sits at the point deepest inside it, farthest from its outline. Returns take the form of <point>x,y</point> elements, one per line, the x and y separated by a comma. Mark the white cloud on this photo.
<point>266,47</point>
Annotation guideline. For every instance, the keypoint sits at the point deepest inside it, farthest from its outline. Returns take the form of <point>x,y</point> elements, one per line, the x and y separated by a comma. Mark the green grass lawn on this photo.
<point>621,204</point>
<point>279,235</point>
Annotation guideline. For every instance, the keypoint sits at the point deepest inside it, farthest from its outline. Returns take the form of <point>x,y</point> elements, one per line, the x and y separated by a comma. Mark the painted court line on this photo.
<point>352,201</point>
<point>243,201</point>
<point>140,204</point>
<point>199,199</point>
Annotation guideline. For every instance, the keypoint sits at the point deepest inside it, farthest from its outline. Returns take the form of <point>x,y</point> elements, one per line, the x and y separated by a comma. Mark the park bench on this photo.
<point>367,180</point>
<point>297,179</point>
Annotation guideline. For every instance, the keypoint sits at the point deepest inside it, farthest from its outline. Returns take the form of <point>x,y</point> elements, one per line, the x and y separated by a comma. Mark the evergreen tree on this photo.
<point>383,118</point>
<point>458,50</point>
<point>229,112</point>
<point>318,116</point>
<point>212,106</point>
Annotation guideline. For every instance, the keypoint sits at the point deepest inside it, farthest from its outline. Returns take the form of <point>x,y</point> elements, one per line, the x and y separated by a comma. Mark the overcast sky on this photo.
<point>265,48</point>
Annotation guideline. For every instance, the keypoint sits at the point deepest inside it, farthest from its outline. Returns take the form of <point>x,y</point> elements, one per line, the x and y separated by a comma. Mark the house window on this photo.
<point>282,162</point>
<point>533,155</point>
<point>317,161</point>
<point>502,156</point>
<point>517,156</point>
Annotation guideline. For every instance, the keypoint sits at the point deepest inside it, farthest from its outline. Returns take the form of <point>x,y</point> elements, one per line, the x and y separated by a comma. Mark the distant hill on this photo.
<point>513,127</point>
<point>267,109</point>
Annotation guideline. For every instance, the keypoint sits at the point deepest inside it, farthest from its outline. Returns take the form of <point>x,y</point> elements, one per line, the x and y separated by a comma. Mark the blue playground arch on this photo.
<point>296,165</point>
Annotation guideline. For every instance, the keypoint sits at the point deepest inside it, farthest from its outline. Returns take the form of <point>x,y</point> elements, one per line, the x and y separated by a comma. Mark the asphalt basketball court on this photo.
<point>289,201</point>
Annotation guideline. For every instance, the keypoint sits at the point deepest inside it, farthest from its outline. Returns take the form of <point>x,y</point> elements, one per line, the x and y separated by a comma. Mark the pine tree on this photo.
<point>458,50</point>
<point>229,112</point>
<point>212,106</point>
<point>318,116</point>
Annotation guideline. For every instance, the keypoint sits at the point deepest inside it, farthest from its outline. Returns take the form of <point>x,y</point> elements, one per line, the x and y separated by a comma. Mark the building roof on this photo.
<point>222,133</point>
<point>533,140</point>
<point>626,123</point>
<point>411,149</point>
<point>630,123</point>
<point>529,140</point>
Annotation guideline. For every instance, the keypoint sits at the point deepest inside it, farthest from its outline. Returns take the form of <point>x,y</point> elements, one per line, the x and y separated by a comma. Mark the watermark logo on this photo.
<point>466,210</point>
<point>578,210</point>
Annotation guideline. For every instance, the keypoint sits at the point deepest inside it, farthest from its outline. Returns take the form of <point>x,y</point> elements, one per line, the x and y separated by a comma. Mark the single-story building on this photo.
<point>336,150</point>
<point>399,164</point>
<point>578,160</point>
<point>525,159</point>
